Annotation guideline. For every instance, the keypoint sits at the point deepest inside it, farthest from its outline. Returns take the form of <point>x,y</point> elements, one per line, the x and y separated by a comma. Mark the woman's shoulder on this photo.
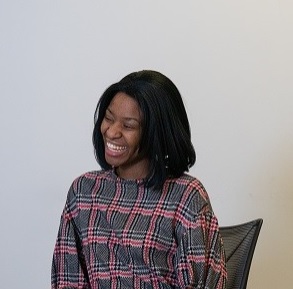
<point>87,180</point>
<point>92,174</point>
<point>190,190</point>
<point>189,183</point>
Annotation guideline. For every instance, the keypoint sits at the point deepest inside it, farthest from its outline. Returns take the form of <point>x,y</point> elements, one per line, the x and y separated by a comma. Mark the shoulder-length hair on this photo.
<point>166,137</point>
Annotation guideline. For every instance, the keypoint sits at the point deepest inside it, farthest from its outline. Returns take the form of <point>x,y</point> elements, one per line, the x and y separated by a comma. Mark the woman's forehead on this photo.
<point>125,106</point>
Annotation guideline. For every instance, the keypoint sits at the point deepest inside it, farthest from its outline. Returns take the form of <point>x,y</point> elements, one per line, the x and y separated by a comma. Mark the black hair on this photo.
<point>166,137</point>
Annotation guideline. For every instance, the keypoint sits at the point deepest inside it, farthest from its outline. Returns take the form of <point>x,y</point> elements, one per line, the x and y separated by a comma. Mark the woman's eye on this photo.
<point>130,126</point>
<point>107,118</point>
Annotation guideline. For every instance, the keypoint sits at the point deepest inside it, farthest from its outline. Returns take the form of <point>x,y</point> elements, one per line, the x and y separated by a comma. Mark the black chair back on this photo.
<point>239,243</point>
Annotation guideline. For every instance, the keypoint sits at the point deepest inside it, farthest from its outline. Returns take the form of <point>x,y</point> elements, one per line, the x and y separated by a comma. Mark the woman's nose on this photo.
<point>114,131</point>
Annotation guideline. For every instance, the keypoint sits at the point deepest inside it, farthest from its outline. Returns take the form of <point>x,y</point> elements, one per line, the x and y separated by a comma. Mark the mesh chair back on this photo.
<point>239,243</point>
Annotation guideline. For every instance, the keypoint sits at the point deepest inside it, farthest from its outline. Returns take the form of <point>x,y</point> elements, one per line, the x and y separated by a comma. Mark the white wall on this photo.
<point>232,61</point>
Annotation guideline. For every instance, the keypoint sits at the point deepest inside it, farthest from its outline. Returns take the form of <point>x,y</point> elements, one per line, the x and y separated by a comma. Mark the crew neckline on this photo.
<point>117,178</point>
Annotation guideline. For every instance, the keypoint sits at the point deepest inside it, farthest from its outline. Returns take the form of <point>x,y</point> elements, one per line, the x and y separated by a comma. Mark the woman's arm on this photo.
<point>200,258</point>
<point>68,267</point>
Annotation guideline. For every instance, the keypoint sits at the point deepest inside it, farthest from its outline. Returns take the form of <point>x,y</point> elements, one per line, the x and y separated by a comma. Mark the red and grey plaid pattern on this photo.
<point>118,234</point>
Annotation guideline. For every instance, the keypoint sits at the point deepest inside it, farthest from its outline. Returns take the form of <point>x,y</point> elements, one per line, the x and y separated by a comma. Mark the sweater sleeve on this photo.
<point>68,266</point>
<point>200,257</point>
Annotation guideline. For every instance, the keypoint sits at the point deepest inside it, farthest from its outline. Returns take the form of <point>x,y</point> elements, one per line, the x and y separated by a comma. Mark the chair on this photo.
<point>239,243</point>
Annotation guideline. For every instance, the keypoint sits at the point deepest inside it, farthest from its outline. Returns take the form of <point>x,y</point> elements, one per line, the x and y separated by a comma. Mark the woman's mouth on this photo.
<point>115,148</point>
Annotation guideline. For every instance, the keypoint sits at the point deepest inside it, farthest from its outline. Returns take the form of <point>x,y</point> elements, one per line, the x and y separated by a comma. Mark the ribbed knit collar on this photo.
<point>113,175</point>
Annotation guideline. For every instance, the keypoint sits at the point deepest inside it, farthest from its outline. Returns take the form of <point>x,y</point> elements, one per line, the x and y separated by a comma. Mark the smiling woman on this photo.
<point>121,130</point>
<point>142,221</point>
<point>165,138</point>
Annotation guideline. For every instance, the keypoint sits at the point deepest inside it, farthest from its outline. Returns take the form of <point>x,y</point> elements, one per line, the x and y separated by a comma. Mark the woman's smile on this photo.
<point>113,150</point>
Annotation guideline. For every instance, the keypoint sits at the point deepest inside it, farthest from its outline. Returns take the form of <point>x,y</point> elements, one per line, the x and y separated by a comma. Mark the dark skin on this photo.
<point>121,130</point>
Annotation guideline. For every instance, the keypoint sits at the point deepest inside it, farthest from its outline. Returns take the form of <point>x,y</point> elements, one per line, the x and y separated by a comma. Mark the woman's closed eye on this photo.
<point>129,126</point>
<point>108,118</point>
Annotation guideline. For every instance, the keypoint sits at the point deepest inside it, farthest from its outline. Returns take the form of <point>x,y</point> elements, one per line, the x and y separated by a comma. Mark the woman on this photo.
<point>140,222</point>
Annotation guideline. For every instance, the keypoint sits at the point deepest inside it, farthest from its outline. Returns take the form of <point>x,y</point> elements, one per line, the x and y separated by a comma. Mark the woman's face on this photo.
<point>121,130</point>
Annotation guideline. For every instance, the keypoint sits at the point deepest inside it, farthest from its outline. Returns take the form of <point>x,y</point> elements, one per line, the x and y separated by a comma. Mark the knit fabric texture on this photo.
<point>119,234</point>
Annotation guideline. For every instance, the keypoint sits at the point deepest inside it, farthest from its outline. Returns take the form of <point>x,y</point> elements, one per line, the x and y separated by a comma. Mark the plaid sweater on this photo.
<point>118,234</point>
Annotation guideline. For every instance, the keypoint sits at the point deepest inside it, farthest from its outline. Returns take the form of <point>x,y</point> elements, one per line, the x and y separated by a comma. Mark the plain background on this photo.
<point>232,62</point>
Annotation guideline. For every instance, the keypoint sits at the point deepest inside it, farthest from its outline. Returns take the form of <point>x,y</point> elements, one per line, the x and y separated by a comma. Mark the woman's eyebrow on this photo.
<point>131,119</point>
<point>124,118</point>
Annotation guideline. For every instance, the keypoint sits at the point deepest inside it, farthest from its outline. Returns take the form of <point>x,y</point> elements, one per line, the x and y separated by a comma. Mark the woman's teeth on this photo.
<point>115,147</point>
